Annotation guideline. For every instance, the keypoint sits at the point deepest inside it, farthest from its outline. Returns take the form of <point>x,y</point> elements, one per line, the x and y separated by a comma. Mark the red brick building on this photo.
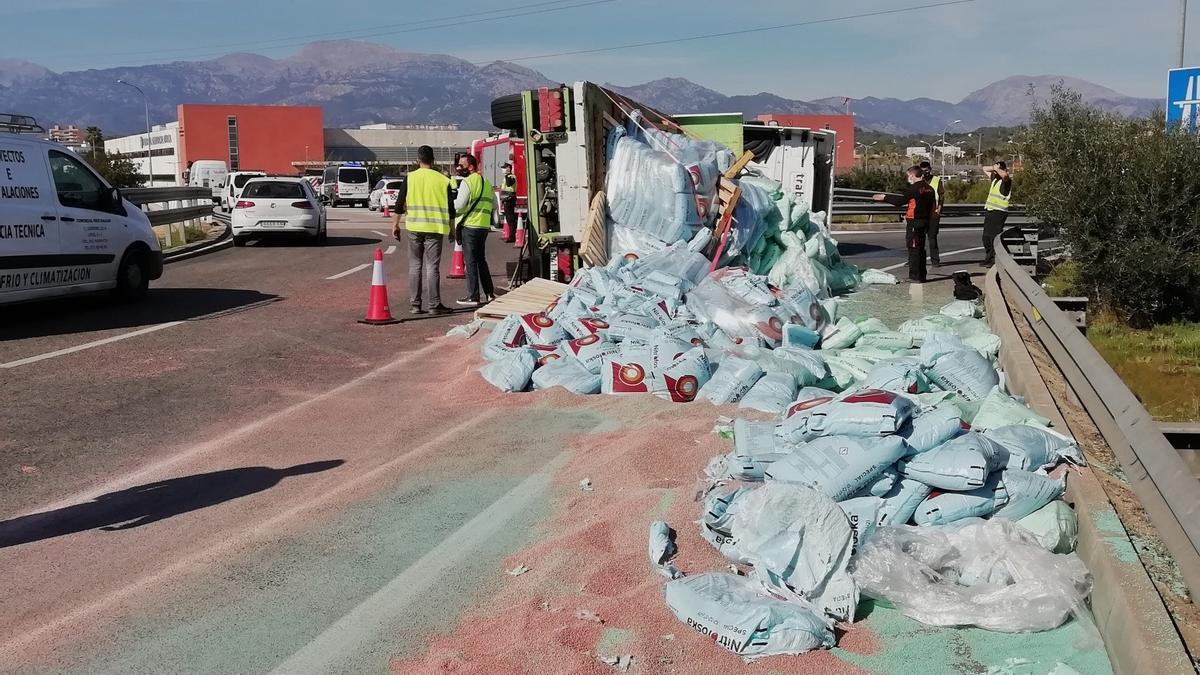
<point>843,125</point>
<point>275,139</point>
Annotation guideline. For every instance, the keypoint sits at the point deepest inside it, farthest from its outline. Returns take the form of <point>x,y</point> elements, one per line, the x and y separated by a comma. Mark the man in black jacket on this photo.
<point>920,201</point>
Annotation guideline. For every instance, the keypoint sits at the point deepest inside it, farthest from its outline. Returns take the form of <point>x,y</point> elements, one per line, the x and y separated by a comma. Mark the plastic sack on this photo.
<point>865,412</point>
<point>799,543</point>
<point>716,522</point>
<point>734,377</point>
<point>947,507</point>
<point>840,335</point>
<point>730,610</point>
<point>506,338</point>
<point>892,341</point>
<point>569,374</point>
<point>511,372</point>
<point>881,485</point>
<point>1032,448</point>
<point>633,244</point>
<point>662,548</point>
<point>799,336</point>
<point>1019,586</point>
<point>626,374</point>
<point>805,366</point>
<point>987,344</point>
<point>960,309</point>
<point>683,378</point>
<point>931,428</point>
<point>590,351</point>
<point>773,393</point>
<point>964,372</point>
<point>873,325</point>
<point>1027,492</point>
<point>896,376</point>
<point>901,502</point>
<point>629,326</point>
<point>542,330</point>
<point>755,448</point>
<point>582,326</point>
<point>874,276</point>
<point>465,330</point>
<point>1001,410</point>
<point>737,317</point>
<point>1054,526</point>
<point>794,269</point>
<point>962,463</point>
<point>863,515</point>
<point>836,466</point>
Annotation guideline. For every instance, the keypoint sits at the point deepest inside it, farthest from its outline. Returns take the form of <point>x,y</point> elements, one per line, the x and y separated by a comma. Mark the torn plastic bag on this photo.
<point>902,501</point>
<point>716,522</point>
<point>863,514</point>
<point>633,244</point>
<point>798,541</point>
<point>874,276</point>
<point>863,412</point>
<point>773,393</point>
<point>941,508</point>
<point>837,466</point>
<point>733,379</point>
<point>506,338</point>
<point>840,335</point>
<point>1001,410</point>
<point>962,463</point>
<point>621,374</point>
<point>806,367</point>
<point>590,351</point>
<point>931,428</point>
<point>1055,526</point>
<point>570,374</point>
<point>542,330</point>
<point>662,549</point>
<point>1019,587</point>
<point>964,372</point>
<point>807,310</point>
<point>683,378</point>
<point>1032,448</point>
<point>511,372</point>
<point>1027,492</point>
<point>732,612</point>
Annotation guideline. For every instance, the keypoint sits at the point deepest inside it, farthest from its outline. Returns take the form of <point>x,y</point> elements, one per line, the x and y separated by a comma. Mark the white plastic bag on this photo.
<point>542,330</point>
<point>1032,448</point>
<point>1027,492</point>
<point>662,548</point>
<point>682,379</point>
<point>569,374</point>
<point>840,335</point>
<point>837,466</point>
<point>960,309</point>
<point>590,350</point>
<point>630,374</point>
<point>755,448</point>
<point>511,372</point>
<point>1055,526</point>
<point>773,393</point>
<point>932,427</point>
<point>863,515</point>
<point>733,379</point>
<point>947,507</point>
<point>964,372</point>
<point>874,276</point>
<point>864,412</point>
<point>902,501</point>
<point>963,463</point>
<point>506,338</point>
<point>1001,410</point>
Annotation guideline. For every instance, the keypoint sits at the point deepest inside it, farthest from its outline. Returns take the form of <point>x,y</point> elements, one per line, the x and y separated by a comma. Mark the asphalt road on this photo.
<point>229,476</point>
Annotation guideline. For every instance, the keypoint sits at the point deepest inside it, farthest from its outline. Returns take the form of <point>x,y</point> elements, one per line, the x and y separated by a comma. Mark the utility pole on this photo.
<point>1182,30</point>
<point>149,150</point>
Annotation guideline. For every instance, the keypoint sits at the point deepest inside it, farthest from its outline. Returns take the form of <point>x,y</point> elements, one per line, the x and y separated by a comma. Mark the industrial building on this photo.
<point>843,125</point>
<point>397,143</point>
<point>162,147</point>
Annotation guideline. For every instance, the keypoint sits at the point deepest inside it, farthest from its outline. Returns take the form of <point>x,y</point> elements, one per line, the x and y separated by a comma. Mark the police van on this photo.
<point>63,229</point>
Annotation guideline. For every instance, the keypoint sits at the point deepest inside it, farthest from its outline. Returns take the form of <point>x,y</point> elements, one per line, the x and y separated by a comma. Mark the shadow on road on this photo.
<point>293,242</point>
<point>152,502</point>
<point>98,312</point>
<point>849,248</point>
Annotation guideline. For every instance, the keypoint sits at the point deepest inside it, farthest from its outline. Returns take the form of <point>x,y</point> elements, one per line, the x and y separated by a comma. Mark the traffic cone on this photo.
<point>378,311</point>
<point>508,233</point>
<point>520,240</point>
<point>457,269</point>
<point>387,211</point>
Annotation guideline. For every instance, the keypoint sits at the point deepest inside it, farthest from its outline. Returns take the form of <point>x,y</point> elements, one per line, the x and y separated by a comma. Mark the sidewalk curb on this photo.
<point>1133,620</point>
<point>200,248</point>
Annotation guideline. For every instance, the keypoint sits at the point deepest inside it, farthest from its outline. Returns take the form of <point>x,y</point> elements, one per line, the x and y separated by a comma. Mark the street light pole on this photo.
<point>149,149</point>
<point>944,130</point>
<point>1182,29</point>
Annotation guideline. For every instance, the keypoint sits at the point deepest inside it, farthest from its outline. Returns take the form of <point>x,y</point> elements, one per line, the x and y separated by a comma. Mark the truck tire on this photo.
<point>133,276</point>
<point>506,113</point>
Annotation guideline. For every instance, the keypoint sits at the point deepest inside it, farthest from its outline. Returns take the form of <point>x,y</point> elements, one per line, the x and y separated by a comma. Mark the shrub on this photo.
<point>878,180</point>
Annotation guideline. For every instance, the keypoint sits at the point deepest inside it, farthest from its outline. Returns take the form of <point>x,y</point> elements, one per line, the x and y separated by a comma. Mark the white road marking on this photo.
<point>839,233</point>
<point>89,345</point>
<point>380,233</point>
<point>217,553</point>
<point>348,272</point>
<point>354,631</point>
<point>390,250</point>
<point>897,266</point>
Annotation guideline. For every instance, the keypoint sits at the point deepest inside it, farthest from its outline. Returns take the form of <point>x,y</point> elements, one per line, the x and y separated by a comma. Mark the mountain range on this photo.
<point>362,83</point>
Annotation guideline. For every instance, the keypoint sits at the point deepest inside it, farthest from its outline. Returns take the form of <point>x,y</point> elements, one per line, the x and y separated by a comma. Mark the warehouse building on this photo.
<point>160,149</point>
<point>397,143</point>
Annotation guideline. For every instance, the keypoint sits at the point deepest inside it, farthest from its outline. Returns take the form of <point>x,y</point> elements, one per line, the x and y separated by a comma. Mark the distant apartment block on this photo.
<point>68,135</point>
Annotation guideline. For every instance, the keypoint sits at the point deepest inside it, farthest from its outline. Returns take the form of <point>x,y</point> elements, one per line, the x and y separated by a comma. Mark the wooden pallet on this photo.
<point>531,297</point>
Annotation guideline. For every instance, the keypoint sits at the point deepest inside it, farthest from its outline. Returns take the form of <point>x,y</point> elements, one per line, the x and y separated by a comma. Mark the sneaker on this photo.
<point>467,302</point>
<point>440,309</point>
<point>418,310</point>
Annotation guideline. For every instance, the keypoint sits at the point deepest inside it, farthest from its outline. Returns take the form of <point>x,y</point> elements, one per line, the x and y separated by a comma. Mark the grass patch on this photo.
<point>194,233</point>
<point>1063,281</point>
<point>1160,365</point>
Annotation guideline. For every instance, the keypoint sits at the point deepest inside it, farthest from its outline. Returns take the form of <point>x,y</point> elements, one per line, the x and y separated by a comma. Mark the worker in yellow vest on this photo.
<point>426,204</point>
<point>935,220</point>
<point>995,210</point>
<point>474,204</point>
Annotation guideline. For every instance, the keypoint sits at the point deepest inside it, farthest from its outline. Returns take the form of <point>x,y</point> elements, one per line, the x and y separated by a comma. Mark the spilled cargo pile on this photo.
<point>872,461</point>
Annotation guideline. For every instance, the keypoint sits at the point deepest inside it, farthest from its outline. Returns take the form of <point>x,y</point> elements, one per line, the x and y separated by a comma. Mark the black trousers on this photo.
<point>934,255</point>
<point>510,217</point>
<point>479,277</point>
<point>914,236</point>
<point>993,225</point>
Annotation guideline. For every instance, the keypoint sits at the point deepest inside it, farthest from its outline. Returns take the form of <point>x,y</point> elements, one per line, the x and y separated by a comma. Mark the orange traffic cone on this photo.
<point>508,233</point>
<point>378,311</point>
<point>457,269</point>
<point>387,211</point>
<point>520,240</point>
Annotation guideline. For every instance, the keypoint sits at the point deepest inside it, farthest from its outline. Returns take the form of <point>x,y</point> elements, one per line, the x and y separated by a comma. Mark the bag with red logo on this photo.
<point>864,412</point>
<point>507,337</point>
<point>837,466</point>
<point>542,330</point>
<point>962,463</point>
<point>664,349</point>
<point>582,326</point>
<point>733,379</point>
<point>683,378</point>
<point>546,353</point>
<point>713,301</point>
<point>771,394</point>
<point>631,327</point>
<point>941,508</point>
<point>590,350</point>
<point>622,374</point>
<point>569,374</point>
<point>511,372</point>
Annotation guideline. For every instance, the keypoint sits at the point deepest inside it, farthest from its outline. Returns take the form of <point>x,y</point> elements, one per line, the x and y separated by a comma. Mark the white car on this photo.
<point>232,189</point>
<point>385,193</point>
<point>278,206</point>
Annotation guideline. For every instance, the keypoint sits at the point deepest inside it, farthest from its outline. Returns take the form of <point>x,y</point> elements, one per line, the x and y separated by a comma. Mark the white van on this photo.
<point>63,229</point>
<point>234,183</point>
<point>209,173</point>
<point>346,184</point>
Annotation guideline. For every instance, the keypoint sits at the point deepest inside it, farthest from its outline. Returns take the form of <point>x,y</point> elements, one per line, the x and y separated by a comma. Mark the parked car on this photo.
<point>384,193</point>
<point>234,182</point>
<point>63,229</point>
<point>278,206</point>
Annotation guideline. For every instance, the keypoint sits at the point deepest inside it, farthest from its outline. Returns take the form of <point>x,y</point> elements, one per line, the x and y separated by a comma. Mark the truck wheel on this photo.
<point>132,278</point>
<point>506,113</point>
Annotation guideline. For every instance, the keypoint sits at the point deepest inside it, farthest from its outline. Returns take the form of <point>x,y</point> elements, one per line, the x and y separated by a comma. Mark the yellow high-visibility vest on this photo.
<point>427,203</point>
<point>479,188</point>
<point>934,183</point>
<point>997,200</point>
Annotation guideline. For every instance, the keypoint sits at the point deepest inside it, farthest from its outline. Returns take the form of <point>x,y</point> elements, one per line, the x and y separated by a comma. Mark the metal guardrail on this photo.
<point>1156,473</point>
<point>171,205</point>
<point>850,202</point>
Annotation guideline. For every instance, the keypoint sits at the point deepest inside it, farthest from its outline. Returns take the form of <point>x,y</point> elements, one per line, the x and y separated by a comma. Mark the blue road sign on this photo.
<point>1183,97</point>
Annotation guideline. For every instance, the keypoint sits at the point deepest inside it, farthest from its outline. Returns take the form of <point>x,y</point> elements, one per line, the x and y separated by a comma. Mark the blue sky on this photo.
<point>942,53</point>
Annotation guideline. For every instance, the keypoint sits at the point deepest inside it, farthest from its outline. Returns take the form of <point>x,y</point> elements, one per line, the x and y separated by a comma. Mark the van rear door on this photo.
<point>28,216</point>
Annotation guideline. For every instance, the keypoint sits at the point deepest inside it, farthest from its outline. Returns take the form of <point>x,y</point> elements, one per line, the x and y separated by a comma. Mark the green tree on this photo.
<point>118,170</point>
<point>95,140</point>
<point>871,178</point>
<point>1125,194</point>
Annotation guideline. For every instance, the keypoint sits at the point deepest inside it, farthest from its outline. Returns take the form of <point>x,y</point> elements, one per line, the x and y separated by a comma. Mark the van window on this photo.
<point>331,174</point>
<point>394,185</point>
<point>271,189</point>
<point>239,182</point>
<point>78,187</point>
<point>352,175</point>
